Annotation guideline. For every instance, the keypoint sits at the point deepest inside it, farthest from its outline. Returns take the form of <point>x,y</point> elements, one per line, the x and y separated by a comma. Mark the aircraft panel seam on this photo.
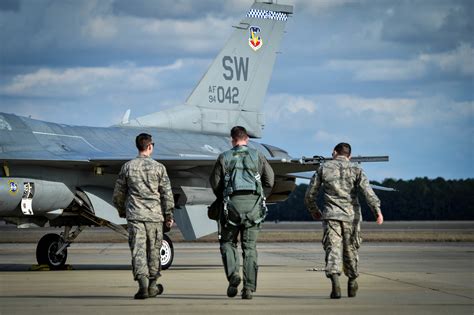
<point>68,136</point>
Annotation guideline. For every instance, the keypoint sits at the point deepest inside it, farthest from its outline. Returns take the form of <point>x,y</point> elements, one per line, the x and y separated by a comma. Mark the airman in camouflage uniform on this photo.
<point>341,181</point>
<point>245,214</point>
<point>143,195</point>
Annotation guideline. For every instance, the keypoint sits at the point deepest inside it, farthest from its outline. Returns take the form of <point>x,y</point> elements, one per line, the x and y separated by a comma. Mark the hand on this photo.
<point>380,218</point>
<point>316,215</point>
<point>169,222</point>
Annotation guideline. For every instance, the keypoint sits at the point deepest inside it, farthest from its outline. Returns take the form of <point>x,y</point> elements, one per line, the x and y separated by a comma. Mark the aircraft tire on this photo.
<point>166,252</point>
<point>45,251</point>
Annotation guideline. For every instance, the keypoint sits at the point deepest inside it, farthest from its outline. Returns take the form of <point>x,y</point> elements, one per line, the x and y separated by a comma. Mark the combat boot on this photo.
<point>352,287</point>
<point>247,294</point>
<point>233,284</point>
<point>154,289</point>
<point>336,288</point>
<point>142,289</point>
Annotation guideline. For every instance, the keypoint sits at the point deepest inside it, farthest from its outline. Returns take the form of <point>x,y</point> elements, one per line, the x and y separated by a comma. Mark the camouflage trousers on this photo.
<point>341,241</point>
<point>230,255</point>
<point>144,239</point>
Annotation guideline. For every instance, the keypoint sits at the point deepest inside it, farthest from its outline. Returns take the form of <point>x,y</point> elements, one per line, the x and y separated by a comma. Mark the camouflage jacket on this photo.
<point>264,169</point>
<point>143,191</point>
<point>341,181</point>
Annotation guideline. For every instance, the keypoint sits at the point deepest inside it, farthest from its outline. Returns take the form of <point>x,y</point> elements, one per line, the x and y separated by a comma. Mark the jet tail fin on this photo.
<point>232,90</point>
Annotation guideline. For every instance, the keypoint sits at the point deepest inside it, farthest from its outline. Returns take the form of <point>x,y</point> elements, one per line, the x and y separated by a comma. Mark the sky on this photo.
<point>390,77</point>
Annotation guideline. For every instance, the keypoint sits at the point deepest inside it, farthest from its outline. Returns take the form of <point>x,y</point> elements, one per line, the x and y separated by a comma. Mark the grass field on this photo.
<point>400,231</point>
<point>369,236</point>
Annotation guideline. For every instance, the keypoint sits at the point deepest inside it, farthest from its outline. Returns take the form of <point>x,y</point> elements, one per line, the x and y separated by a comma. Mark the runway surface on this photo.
<point>396,278</point>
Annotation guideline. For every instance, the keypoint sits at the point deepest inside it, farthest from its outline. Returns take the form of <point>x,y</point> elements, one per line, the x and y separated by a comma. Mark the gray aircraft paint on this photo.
<point>85,160</point>
<point>232,90</point>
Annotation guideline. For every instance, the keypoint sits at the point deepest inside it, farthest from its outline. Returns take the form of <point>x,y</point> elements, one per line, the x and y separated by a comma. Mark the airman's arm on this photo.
<point>166,195</point>
<point>120,193</point>
<point>267,174</point>
<point>216,179</point>
<point>372,200</point>
<point>312,193</point>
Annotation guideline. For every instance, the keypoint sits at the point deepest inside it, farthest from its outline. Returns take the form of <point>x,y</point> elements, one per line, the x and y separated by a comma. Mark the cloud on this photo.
<point>327,137</point>
<point>301,113</point>
<point>100,28</point>
<point>379,70</point>
<point>405,112</point>
<point>430,25</point>
<point>317,7</point>
<point>188,35</point>
<point>287,107</point>
<point>300,104</point>
<point>85,33</point>
<point>10,5</point>
<point>73,82</point>
<point>396,112</point>
<point>458,62</point>
<point>179,9</point>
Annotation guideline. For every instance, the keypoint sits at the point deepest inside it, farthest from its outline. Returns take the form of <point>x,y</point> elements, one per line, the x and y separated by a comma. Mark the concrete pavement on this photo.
<point>396,278</point>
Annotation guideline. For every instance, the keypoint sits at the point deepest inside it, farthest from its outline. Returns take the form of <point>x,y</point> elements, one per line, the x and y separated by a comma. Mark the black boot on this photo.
<point>154,289</point>
<point>352,287</point>
<point>336,288</point>
<point>247,294</point>
<point>142,289</point>
<point>233,284</point>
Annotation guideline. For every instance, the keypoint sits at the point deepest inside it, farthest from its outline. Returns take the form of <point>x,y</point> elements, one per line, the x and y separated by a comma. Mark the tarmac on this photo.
<point>396,278</point>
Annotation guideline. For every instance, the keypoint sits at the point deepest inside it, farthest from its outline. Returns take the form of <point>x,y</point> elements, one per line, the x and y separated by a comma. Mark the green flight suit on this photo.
<point>245,221</point>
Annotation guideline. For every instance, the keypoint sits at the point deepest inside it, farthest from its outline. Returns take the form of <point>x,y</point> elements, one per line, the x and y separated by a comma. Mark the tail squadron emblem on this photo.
<point>255,40</point>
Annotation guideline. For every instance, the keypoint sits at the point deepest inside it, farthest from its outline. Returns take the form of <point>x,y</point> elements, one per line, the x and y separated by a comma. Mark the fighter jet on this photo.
<point>63,176</point>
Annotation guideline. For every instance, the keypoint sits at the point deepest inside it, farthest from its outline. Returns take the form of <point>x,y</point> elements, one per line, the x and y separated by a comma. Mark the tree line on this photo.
<point>416,199</point>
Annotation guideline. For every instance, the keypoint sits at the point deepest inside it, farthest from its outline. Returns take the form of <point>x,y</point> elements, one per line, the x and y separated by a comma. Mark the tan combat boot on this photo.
<point>336,288</point>
<point>352,287</point>
<point>247,294</point>
<point>154,289</point>
<point>142,289</point>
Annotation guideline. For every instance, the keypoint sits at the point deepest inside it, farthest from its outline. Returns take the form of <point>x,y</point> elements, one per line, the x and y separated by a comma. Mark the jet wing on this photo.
<point>301,168</point>
<point>111,164</point>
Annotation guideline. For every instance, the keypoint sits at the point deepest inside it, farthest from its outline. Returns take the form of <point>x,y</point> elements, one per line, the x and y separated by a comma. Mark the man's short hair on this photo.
<point>238,133</point>
<point>142,141</point>
<point>343,149</point>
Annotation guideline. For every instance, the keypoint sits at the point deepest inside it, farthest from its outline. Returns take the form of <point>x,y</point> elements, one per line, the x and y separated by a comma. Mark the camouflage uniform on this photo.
<point>143,194</point>
<point>248,230</point>
<point>341,181</point>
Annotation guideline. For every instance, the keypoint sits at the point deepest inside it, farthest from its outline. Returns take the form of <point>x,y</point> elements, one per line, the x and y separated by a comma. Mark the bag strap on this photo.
<point>253,154</point>
<point>258,178</point>
<point>228,158</point>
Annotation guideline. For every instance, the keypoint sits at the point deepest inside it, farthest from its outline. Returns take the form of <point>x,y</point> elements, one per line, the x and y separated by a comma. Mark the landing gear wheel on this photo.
<point>166,252</point>
<point>46,251</point>
<point>160,288</point>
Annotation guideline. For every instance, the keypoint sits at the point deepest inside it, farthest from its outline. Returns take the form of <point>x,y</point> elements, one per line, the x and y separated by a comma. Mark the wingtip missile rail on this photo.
<point>317,159</point>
